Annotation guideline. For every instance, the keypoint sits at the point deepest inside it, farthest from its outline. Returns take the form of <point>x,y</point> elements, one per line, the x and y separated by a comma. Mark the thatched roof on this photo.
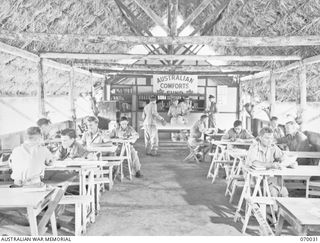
<point>240,18</point>
<point>19,76</point>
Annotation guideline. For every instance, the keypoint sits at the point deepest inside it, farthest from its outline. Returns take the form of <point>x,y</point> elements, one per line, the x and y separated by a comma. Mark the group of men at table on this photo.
<point>264,149</point>
<point>28,160</point>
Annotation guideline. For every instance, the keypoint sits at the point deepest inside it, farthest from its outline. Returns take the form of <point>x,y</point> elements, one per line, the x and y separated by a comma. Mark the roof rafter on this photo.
<point>152,15</point>
<point>230,41</point>
<point>202,6</point>
<point>174,68</point>
<point>112,56</point>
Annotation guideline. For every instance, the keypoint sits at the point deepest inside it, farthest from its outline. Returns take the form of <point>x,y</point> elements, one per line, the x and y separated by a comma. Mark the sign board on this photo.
<point>175,84</point>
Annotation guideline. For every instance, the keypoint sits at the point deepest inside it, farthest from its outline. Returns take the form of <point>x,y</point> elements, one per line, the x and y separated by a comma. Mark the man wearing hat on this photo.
<point>174,112</point>
<point>150,116</point>
<point>211,112</point>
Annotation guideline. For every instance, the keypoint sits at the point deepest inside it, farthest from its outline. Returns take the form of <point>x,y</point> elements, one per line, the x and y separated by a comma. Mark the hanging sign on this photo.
<point>175,84</point>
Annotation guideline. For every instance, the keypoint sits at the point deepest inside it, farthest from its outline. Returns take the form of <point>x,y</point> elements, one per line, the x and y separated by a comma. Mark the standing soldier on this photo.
<point>150,116</point>
<point>186,108</point>
<point>212,112</point>
<point>174,113</point>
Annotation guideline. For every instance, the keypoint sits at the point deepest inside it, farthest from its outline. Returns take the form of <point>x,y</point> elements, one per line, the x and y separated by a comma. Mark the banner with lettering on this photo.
<point>175,84</point>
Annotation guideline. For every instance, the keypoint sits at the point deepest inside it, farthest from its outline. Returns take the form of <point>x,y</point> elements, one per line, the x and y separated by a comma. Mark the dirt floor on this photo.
<point>173,198</point>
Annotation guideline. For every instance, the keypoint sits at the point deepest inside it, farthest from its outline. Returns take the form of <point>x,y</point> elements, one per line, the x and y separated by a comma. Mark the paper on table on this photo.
<point>315,211</point>
<point>4,164</point>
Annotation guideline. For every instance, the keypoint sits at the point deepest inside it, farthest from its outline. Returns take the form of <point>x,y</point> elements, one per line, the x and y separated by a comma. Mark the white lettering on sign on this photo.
<point>175,84</point>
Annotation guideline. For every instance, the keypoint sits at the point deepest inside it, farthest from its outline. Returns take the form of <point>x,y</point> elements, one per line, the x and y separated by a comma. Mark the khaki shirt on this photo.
<point>244,134</point>
<point>197,129</point>
<point>267,155</point>
<point>150,114</point>
<point>297,142</point>
<point>76,150</point>
<point>88,138</point>
<point>128,132</point>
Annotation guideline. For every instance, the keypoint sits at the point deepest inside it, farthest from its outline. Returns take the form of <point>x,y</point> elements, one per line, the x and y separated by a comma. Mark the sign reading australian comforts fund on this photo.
<point>175,84</point>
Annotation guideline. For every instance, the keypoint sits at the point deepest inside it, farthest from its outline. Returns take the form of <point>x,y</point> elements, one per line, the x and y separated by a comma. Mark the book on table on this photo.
<point>258,165</point>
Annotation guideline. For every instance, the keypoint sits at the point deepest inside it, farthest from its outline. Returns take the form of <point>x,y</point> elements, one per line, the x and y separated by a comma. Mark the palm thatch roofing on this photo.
<point>240,18</point>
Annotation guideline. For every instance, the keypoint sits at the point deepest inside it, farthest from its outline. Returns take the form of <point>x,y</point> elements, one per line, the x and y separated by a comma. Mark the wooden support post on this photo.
<point>72,98</point>
<point>303,91</point>
<point>105,90</point>
<point>272,94</point>
<point>41,105</point>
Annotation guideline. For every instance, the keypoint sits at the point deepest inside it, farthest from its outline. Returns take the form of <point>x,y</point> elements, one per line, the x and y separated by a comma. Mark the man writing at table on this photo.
<point>28,161</point>
<point>197,133</point>
<point>265,152</point>
<point>124,131</point>
<point>94,135</point>
<point>237,133</point>
<point>70,148</point>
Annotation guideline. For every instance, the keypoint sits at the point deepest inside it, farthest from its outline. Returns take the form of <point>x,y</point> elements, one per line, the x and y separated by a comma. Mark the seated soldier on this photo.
<point>296,141</point>
<point>277,131</point>
<point>49,134</point>
<point>237,133</point>
<point>197,134</point>
<point>127,132</point>
<point>267,153</point>
<point>28,161</point>
<point>69,149</point>
<point>93,134</point>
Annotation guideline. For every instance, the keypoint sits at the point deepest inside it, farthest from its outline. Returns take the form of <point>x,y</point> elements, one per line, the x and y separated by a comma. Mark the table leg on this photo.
<point>110,177</point>
<point>78,219</point>
<point>129,159</point>
<point>245,191</point>
<point>33,221</point>
<point>214,157</point>
<point>257,187</point>
<point>303,231</point>
<point>279,224</point>
<point>307,187</point>
<point>53,222</point>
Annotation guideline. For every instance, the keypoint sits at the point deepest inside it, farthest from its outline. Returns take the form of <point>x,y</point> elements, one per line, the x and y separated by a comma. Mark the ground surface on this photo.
<point>173,198</point>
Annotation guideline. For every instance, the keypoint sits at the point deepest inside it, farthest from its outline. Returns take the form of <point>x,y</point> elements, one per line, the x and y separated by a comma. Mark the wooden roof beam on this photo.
<point>142,67</point>
<point>111,56</point>
<point>5,48</point>
<point>202,6</point>
<point>148,72</point>
<point>230,41</point>
<point>152,15</point>
<point>307,61</point>
<point>141,75</point>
